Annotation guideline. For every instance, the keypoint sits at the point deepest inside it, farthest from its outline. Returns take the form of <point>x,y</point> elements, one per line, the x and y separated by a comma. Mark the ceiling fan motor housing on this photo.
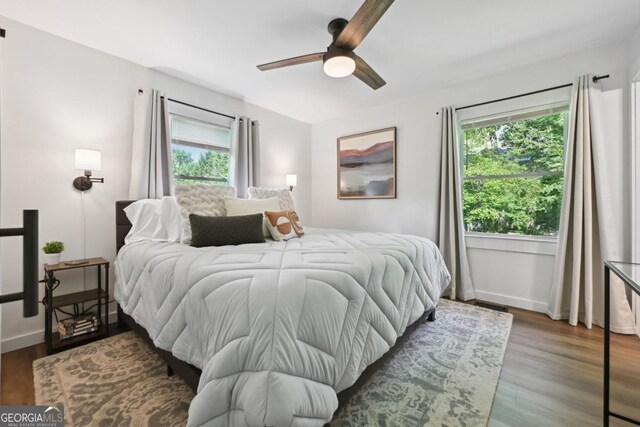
<point>336,26</point>
<point>338,61</point>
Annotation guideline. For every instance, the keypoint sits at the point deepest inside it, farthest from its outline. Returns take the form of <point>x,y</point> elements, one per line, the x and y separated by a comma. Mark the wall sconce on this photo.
<point>87,160</point>
<point>292,181</point>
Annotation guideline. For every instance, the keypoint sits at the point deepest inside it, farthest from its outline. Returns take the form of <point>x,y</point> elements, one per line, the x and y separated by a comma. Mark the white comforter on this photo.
<point>279,328</point>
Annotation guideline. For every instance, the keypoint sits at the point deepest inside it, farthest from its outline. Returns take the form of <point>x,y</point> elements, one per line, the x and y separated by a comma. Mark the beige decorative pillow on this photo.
<point>236,207</point>
<point>284,225</point>
<point>201,199</point>
<point>283,195</point>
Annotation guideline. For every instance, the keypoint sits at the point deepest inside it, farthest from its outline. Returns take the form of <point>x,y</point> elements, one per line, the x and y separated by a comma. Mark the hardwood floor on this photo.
<point>552,375</point>
<point>17,375</point>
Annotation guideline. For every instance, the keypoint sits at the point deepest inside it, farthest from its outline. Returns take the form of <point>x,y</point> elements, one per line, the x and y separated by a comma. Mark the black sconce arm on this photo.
<point>84,183</point>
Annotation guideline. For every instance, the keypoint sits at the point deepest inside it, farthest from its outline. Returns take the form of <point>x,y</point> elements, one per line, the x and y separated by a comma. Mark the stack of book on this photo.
<point>75,326</point>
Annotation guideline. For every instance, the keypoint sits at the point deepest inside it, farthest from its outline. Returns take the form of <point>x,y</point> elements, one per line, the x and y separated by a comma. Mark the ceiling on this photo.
<point>416,46</point>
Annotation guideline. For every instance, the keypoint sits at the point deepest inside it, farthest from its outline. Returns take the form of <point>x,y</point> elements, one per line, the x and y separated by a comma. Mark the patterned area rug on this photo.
<point>118,381</point>
<point>444,374</point>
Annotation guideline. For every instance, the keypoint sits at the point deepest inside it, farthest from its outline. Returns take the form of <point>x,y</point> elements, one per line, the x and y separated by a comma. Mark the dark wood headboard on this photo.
<point>122,223</point>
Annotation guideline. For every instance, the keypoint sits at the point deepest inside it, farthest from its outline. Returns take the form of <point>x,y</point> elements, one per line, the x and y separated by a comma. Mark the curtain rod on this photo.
<point>595,80</point>
<point>140,91</point>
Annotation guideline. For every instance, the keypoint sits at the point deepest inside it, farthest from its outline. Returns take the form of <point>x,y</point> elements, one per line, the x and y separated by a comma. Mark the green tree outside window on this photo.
<point>513,176</point>
<point>206,164</point>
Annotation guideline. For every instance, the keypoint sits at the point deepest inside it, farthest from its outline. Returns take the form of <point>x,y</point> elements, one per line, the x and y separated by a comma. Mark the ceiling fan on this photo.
<point>339,60</point>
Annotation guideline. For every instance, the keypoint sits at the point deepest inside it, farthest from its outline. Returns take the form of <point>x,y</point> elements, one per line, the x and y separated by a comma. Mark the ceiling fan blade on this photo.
<point>365,73</point>
<point>296,60</point>
<point>362,22</point>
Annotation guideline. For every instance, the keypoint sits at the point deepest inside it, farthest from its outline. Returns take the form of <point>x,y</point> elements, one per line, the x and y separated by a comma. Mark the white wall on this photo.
<point>58,96</point>
<point>506,271</point>
<point>286,149</point>
<point>634,69</point>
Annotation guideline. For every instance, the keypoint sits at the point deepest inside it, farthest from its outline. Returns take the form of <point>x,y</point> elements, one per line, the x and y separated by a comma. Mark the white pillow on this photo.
<point>201,199</point>
<point>171,218</point>
<point>154,219</point>
<point>283,195</point>
<point>236,207</point>
<point>146,223</point>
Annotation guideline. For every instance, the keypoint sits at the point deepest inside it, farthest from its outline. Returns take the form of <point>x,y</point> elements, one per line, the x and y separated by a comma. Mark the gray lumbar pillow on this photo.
<point>225,230</point>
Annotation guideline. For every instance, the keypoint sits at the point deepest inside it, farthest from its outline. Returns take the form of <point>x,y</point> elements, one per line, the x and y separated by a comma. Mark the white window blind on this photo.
<point>194,132</point>
<point>498,119</point>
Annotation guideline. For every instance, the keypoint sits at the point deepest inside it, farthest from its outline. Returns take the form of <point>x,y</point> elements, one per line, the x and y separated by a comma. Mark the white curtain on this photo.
<point>244,171</point>
<point>587,229</point>
<point>151,163</point>
<point>451,231</point>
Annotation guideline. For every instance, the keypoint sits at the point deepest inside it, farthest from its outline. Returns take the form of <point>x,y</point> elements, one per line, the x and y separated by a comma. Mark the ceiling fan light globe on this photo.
<point>339,66</point>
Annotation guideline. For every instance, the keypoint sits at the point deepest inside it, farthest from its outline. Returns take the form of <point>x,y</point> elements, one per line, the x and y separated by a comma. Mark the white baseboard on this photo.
<point>511,301</point>
<point>33,338</point>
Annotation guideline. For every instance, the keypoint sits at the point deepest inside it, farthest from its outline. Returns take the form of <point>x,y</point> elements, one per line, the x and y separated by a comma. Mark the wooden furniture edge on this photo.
<point>64,265</point>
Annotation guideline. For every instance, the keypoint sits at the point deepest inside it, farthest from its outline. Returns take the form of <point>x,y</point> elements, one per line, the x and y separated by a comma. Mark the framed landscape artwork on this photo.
<point>367,165</point>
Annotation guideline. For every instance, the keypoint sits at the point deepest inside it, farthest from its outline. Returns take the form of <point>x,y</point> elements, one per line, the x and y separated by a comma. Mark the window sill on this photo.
<point>537,245</point>
<point>521,237</point>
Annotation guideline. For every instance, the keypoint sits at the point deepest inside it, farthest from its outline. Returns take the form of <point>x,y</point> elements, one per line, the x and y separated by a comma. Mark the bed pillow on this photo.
<point>226,230</point>
<point>201,199</point>
<point>146,224</point>
<point>283,195</point>
<point>154,219</point>
<point>170,218</point>
<point>237,207</point>
<point>284,225</point>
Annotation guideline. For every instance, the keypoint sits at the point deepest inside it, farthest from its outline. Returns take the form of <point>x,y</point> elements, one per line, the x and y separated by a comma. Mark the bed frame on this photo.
<point>190,373</point>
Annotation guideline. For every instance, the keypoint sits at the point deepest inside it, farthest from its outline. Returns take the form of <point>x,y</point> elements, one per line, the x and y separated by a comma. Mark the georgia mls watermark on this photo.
<point>31,416</point>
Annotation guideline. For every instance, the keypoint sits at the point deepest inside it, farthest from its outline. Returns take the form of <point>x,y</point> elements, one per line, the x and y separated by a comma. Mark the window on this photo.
<point>513,172</point>
<point>200,151</point>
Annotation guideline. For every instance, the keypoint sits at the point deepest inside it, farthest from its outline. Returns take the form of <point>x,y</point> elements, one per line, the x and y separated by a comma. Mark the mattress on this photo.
<point>279,328</point>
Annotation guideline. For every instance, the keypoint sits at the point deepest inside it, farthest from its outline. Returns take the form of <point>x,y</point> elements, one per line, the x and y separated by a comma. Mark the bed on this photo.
<point>271,332</point>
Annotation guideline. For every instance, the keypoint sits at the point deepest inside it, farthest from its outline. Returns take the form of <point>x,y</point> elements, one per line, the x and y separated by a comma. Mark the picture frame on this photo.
<point>367,165</point>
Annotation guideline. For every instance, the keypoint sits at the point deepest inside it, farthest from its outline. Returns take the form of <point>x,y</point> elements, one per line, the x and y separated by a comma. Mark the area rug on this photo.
<point>444,373</point>
<point>118,381</point>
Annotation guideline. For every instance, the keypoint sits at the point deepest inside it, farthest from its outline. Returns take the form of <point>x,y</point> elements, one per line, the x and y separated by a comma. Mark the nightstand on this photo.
<point>100,295</point>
